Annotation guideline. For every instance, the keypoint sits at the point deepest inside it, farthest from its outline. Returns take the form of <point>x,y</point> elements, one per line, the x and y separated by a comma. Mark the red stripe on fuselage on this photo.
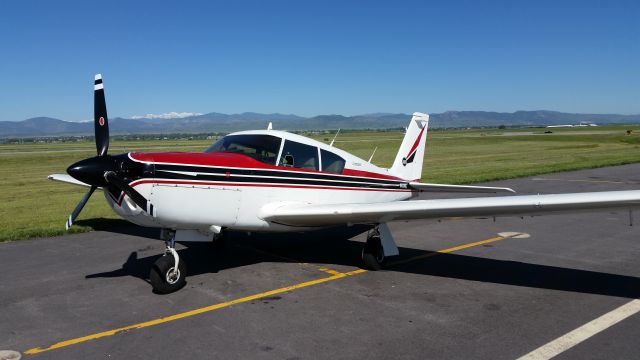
<point>231,160</point>
<point>366,174</point>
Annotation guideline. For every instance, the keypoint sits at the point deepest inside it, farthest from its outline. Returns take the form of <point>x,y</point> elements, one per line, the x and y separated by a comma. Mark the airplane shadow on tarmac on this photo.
<point>334,246</point>
<point>119,226</point>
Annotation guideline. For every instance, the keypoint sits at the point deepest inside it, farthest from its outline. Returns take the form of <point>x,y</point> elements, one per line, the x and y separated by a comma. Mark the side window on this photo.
<point>299,156</point>
<point>331,162</point>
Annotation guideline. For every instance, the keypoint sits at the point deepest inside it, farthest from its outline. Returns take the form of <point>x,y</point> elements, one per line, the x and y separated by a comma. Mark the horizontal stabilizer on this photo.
<point>66,178</point>
<point>457,188</point>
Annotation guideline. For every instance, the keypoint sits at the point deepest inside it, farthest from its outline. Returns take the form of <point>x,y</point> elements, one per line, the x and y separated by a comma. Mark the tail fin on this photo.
<point>408,163</point>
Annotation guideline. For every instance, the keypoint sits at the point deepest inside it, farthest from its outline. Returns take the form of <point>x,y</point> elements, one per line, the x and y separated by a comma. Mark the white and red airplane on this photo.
<point>269,180</point>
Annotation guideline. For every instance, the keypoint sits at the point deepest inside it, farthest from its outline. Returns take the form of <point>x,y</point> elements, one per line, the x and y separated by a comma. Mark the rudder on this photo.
<point>408,162</point>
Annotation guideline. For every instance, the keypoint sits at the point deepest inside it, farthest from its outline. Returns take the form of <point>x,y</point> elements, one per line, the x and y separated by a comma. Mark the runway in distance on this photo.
<point>270,180</point>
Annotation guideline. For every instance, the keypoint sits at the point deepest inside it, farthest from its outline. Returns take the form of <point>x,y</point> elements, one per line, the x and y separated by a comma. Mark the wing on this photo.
<point>457,188</point>
<point>323,215</point>
<point>66,178</point>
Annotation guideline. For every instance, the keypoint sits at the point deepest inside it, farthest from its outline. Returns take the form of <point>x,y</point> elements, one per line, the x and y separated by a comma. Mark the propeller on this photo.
<point>105,170</point>
<point>76,211</point>
<point>100,120</point>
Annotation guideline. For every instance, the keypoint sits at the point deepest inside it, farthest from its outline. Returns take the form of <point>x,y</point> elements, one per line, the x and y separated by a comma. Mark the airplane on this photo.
<point>276,181</point>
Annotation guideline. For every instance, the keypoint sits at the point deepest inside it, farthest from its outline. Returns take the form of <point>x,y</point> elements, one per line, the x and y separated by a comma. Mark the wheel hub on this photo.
<point>172,275</point>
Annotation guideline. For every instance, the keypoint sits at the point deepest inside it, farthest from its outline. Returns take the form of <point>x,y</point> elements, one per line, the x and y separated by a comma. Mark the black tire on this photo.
<point>373,254</point>
<point>159,275</point>
<point>219,241</point>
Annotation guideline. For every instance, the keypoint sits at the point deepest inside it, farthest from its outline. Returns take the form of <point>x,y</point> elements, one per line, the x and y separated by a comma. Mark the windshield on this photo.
<point>263,148</point>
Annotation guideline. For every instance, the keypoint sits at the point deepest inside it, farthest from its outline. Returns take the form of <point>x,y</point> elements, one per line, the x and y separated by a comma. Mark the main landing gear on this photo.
<point>372,252</point>
<point>168,272</point>
<point>379,246</point>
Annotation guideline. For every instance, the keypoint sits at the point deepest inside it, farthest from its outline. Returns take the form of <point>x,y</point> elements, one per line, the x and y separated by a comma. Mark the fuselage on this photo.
<point>229,184</point>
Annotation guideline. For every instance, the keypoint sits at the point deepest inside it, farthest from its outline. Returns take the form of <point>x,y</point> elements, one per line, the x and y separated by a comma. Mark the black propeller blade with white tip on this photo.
<point>100,120</point>
<point>104,170</point>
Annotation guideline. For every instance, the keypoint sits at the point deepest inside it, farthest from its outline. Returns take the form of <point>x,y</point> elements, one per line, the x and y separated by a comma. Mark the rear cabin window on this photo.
<point>263,148</point>
<point>299,155</point>
<point>331,162</point>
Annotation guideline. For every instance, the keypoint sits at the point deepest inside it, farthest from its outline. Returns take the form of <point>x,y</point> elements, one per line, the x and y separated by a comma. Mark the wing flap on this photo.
<point>457,188</point>
<point>325,215</point>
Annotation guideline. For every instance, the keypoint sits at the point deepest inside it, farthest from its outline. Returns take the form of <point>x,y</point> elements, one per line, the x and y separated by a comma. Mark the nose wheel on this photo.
<point>168,273</point>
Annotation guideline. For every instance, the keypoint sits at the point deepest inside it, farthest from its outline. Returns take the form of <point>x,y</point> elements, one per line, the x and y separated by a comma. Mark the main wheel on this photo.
<point>373,254</point>
<point>219,241</point>
<point>164,279</point>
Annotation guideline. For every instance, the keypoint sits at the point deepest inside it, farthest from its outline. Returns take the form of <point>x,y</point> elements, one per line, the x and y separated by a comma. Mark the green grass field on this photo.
<point>32,206</point>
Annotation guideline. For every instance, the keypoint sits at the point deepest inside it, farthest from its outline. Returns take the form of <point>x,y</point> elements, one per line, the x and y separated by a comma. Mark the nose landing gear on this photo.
<point>168,273</point>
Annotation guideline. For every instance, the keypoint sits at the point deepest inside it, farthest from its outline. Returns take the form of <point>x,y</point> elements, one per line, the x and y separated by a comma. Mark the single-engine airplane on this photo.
<point>269,180</point>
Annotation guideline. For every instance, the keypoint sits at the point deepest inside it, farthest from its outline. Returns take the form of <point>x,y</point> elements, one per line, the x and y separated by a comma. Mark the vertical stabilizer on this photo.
<point>408,162</point>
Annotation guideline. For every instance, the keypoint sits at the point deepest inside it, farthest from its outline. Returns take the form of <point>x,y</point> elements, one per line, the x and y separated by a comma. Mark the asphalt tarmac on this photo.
<point>303,296</point>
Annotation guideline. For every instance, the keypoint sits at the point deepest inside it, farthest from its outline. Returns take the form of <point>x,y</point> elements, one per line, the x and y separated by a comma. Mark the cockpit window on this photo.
<point>299,155</point>
<point>331,162</point>
<point>263,148</point>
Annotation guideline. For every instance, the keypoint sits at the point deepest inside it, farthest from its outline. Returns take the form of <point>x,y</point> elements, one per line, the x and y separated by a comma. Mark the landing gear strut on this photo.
<point>168,272</point>
<point>380,245</point>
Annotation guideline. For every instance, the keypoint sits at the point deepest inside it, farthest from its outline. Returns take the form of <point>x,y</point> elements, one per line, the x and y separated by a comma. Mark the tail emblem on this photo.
<point>101,121</point>
<point>412,153</point>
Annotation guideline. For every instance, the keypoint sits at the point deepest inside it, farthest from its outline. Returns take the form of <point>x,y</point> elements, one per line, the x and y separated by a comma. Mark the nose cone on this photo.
<point>91,171</point>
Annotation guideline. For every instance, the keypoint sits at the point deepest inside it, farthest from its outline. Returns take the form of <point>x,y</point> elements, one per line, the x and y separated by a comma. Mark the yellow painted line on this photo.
<point>285,258</point>
<point>329,271</point>
<point>449,250</point>
<point>335,275</point>
<point>190,313</point>
<point>270,254</point>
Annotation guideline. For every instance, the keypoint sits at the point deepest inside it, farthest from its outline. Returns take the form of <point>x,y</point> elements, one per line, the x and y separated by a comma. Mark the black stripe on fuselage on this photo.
<point>231,178</point>
<point>321,178</point>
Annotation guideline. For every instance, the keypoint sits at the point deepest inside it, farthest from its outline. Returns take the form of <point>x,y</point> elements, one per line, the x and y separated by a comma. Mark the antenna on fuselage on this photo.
<point>270,127</point>
<point>373,153</point>
<point>334,138</point>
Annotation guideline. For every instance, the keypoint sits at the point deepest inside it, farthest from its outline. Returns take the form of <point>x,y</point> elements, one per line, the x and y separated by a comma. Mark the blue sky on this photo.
<point>318,57</point>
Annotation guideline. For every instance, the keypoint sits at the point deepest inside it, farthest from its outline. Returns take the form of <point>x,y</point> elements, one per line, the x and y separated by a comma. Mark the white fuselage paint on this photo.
<point>200,206</point>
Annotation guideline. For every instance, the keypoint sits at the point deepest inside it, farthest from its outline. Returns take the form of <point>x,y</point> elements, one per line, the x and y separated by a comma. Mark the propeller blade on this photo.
<point>100,121</point>
<point>81,204</point>
<point>113,179</point>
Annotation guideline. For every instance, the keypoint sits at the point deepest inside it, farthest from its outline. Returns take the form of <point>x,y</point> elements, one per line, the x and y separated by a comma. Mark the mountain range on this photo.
<point>222,123</point>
